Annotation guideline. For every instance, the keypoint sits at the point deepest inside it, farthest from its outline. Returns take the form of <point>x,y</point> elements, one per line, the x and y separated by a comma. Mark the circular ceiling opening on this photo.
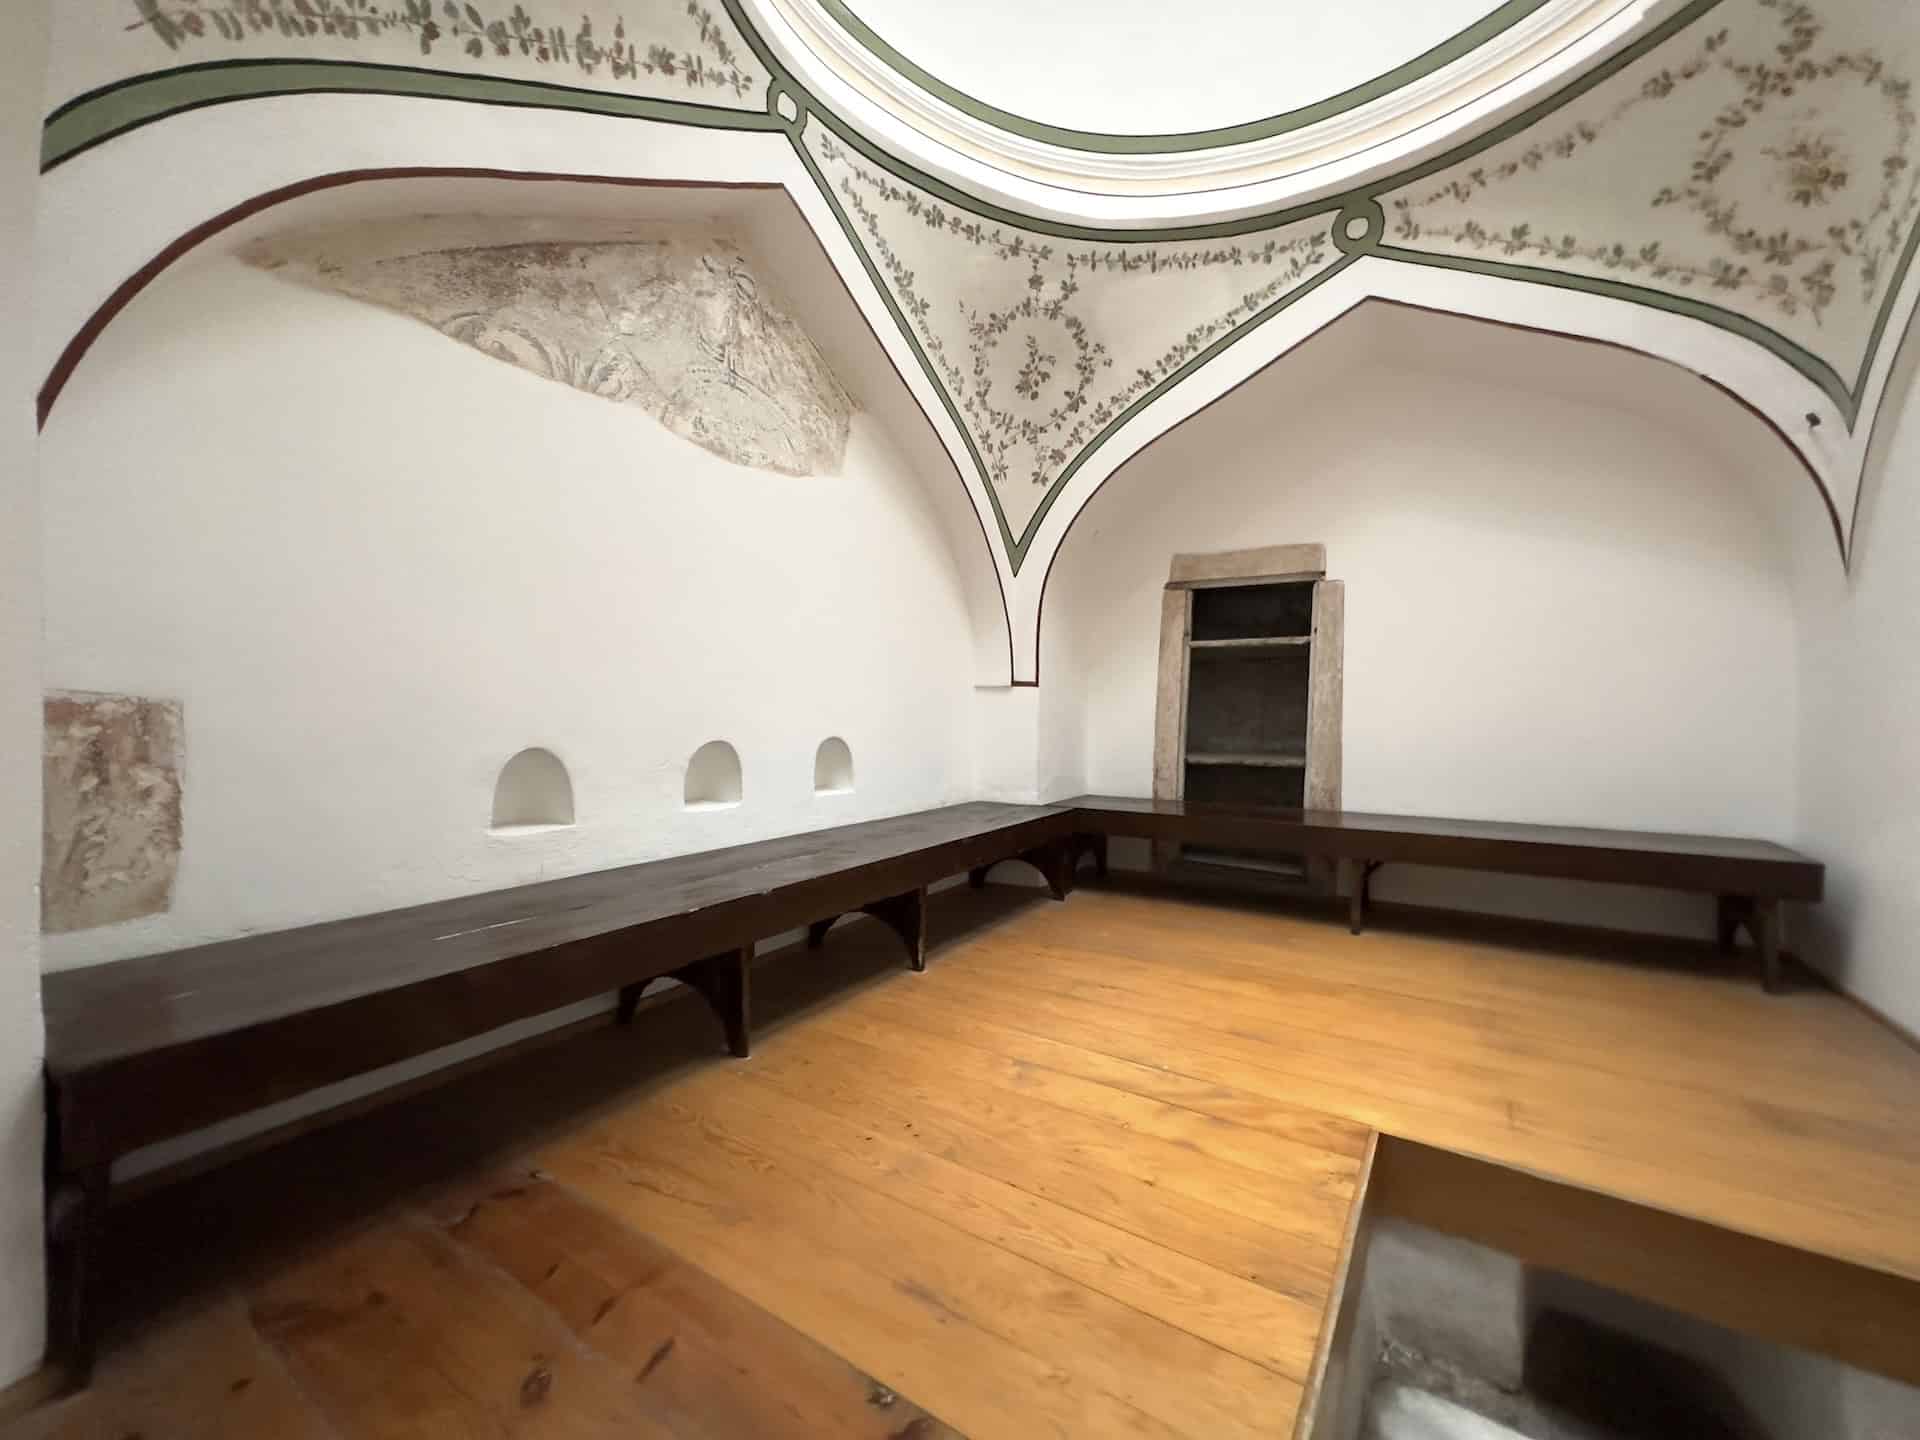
<point>1089,73</point>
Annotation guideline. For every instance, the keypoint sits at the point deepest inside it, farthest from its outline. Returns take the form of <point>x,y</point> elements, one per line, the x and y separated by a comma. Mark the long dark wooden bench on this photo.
<point>147,1049</point>
<point>1748,878</point>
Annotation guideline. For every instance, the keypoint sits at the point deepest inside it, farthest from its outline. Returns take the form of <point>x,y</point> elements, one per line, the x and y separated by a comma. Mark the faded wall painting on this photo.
<point>672,320</point>
<point>111,827</point>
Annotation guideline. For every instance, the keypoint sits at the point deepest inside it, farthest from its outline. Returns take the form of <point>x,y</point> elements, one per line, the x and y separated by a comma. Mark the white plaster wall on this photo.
<point>1556,611</point>
<point>373,564</point>
<point>1859,772</point>
<point>22,1306</point>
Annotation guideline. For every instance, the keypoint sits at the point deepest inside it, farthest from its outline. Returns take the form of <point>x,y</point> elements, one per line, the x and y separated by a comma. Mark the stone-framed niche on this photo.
<point>1249,704</point>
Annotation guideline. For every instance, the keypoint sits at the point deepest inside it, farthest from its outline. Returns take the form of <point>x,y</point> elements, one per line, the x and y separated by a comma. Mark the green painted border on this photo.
<point>1490,25</point>
<point>1810,366</point>
<point>114,109</point>
<point>1018,546</point>
<point>124,105</point>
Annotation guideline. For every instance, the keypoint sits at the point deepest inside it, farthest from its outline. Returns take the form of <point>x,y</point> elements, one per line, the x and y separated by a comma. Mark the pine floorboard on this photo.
<point>1087,1176</point>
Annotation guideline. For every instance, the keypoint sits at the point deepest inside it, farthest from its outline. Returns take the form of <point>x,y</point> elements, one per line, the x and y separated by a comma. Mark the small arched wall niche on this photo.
<point>534,792</point>
<point>713,777</point>
<point>833,767</point>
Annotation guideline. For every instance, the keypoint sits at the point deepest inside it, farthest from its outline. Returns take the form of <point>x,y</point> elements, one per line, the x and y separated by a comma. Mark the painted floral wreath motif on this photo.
<point>1790,268</point>
<point>710,62</point>
<point>1051,342</point>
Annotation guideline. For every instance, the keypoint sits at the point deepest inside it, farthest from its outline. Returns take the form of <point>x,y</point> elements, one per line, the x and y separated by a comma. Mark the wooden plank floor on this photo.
<point>1087,1176</point>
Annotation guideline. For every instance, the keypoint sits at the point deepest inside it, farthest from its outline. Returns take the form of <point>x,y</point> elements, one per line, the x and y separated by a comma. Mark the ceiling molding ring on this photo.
<point>1462,44</point>
<point>1360,226</point>
<point>1513,50</point>
<point>787,105</point>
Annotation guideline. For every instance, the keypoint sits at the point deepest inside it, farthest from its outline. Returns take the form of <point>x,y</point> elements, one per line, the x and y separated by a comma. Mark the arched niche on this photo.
<point>534,792</point>
<point>1538,367</point>
<point>788,232</point>
<point>833,767</point>
<point>713,777</point>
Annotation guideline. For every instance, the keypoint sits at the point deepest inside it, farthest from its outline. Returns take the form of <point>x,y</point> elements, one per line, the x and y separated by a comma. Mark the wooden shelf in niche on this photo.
<point>1255,757</point>
<point>1252,642</point>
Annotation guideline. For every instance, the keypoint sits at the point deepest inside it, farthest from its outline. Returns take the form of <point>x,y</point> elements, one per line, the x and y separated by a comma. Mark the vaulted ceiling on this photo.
<point>1075,225</point>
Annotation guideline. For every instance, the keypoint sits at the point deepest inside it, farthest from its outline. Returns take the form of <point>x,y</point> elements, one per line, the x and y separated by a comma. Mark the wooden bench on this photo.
<point>1748,878</point>
<point>147,1049</point>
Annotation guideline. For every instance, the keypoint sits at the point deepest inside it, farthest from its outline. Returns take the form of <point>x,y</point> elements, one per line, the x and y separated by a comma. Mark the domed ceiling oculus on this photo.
<point>1133,98</point>
<point>1136,76</point>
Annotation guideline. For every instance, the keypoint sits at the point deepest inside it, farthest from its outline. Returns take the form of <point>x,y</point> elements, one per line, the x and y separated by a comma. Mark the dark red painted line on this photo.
<point>124,294</point>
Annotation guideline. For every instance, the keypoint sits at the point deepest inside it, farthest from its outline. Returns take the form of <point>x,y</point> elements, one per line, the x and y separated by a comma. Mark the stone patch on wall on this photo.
<point>673,320</point>
<point>111,827</point>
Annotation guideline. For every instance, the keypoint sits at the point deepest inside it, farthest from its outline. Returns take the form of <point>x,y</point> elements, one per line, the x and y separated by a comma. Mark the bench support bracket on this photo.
<point>905,915</point>
<point>1761,916</point>
<point>76,1206</point>
<point>1356,876</point>
<point>721,981</point>
<point>1054,859</point>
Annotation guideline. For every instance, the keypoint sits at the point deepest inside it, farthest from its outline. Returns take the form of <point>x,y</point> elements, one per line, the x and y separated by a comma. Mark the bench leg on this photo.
<point>906,916</point>
<point>1730,913</point>
<point>1762,919</point>
<point>977,876</point>
<point>1085,844</point>
<point>1764,922</point>
<point>1054,861</point>
<point>629,1002</point>
<point>722,980</point>
<point>817,932</point>
<point>76,1206</point>
<point>1357,876</point>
